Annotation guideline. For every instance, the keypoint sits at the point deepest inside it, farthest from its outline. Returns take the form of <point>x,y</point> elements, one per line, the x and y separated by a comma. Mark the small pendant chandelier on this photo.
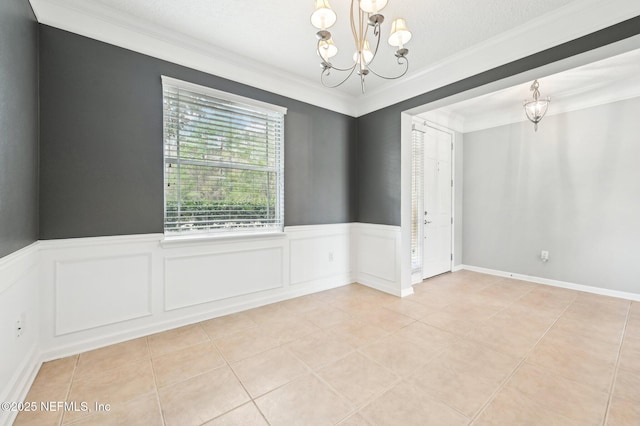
<point>365,16</point>
<point>536,109</point>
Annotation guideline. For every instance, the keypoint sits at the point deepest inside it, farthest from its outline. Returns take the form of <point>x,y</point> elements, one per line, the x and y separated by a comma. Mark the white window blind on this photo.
<point>224,161</point>
<point>417,182</point>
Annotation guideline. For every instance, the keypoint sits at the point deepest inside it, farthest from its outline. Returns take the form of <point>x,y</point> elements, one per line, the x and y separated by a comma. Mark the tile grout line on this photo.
<point>280,345</point>
<point>155,382</point>
<point>360,406</point>
<point>251,399</point>
<point>73,373</point>
<point>353,407</point>
<point>465,338</point>
<point>312,372</point>
<point>522,361</point>
<point>615,371</point>
<point>398,378</point>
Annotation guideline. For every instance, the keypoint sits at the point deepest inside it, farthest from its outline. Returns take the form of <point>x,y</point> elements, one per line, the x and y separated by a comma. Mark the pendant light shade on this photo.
<point>372,6</point>
<point>536,109</point>
<point>400,34</point>
<point>323,17</point>
<point>327,49</point>
<point>367,54</point>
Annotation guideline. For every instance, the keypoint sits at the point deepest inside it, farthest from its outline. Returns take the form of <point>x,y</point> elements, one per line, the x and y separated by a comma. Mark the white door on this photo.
<point>437,218</point>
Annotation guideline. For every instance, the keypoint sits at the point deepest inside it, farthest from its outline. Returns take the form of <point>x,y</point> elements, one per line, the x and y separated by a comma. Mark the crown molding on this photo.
<point>107,25</point>
<point>567,23</point>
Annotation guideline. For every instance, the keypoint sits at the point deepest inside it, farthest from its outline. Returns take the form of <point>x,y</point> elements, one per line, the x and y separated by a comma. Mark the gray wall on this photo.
<point>101,146</point>
<point>572,188</point>
<point>18,126</point>
<point>379,131</point>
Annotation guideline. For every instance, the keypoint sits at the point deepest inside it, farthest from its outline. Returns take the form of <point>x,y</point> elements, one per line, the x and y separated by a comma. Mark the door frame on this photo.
<point>452,134</point>
<point>407,123</point>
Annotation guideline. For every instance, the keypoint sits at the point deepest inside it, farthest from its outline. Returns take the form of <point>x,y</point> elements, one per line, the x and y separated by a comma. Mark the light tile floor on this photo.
<point>466,348</point>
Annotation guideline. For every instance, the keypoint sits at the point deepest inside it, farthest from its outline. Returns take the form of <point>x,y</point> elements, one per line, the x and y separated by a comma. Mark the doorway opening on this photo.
<point>431,199</point>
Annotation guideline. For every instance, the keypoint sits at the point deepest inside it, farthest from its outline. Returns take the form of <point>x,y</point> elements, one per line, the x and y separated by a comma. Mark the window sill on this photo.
<point>189,240</point>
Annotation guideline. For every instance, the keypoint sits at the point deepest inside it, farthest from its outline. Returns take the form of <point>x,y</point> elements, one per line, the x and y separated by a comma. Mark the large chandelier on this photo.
<point>364,17</point>
<point>537,108</point>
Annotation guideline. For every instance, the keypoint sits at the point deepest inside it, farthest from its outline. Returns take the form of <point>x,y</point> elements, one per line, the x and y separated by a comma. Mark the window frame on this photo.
<point>254,106</point>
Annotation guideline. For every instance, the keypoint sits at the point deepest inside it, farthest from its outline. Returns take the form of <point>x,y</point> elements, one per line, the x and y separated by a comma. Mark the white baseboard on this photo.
<point>555,283</point>
<point>406,292</point>
<point>19,355</point>
<point>170,286</point>
<point>378,284</point>
<point>22,382</point>
<point>230,307</point>
<point>457,268</point>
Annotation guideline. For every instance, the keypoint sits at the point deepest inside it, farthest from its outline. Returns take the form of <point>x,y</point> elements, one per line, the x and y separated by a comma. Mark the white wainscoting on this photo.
<point>378,257</point>
<point>320,255</point>
<point>79,294</point>
<point>190,280</point>
<point>109,289</point>
<point>19,356</point>
<point>100,291</point>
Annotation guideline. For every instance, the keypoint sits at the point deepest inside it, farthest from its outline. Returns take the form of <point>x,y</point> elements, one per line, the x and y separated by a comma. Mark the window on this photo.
<point>223,162</point>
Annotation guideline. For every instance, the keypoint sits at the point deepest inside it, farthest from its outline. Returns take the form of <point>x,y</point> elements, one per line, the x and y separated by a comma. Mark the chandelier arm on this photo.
<point>343,69</point>
<point>377,34</point>
<point>324,74</point>
<point>406,63</point>
<point>318,50</point>
<point>332,67</point>
<point>364,28</point>
<point>353,25</point>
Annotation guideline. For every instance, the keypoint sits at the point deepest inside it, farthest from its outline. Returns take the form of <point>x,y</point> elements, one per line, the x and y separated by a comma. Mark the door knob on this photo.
<point>427,221</point>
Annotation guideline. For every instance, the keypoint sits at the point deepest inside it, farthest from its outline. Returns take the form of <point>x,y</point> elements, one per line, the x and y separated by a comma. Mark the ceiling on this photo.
<point>279,34</point>
<point>271,44</point>
<point>608,80</point>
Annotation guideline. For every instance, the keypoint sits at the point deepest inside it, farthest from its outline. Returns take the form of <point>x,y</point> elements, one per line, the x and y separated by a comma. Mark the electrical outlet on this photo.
<point>19,328</point>
<point>20,325</point>
<point>544,255</point>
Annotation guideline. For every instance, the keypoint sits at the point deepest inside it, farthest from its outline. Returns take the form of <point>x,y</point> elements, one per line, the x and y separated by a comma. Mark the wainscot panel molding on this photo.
<point>553,283</point>
<point>319,253</point>
<point>104,290</point>
<point>75,295</point>
<point>101,290</point>
<point>192,279</point>
<point>20,355</point>
<point>378,257</point>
